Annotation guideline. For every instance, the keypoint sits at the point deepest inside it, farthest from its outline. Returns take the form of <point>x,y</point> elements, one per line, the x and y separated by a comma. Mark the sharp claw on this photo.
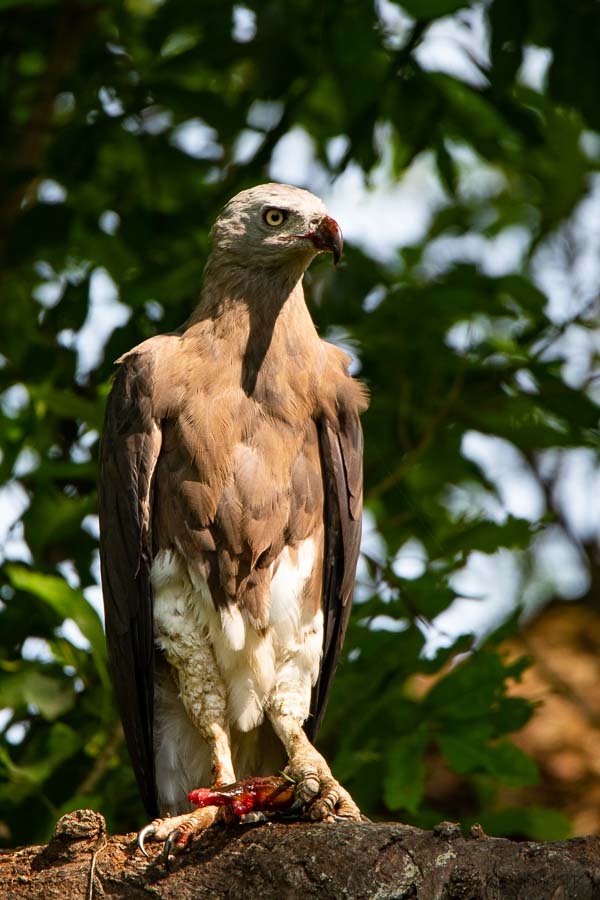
<point>144,833</point>
<point>168,847</point>
<point>297,805</point>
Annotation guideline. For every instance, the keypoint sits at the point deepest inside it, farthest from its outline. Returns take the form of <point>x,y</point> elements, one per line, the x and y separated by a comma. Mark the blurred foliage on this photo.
<point>102,185</point>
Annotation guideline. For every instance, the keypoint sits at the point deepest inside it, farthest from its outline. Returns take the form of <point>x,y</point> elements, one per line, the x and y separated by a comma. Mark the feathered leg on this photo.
<point>203,695</point>
<point>288,707</point>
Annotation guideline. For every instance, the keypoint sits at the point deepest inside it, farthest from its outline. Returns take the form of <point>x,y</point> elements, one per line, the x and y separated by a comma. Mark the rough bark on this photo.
<point>302,860</point>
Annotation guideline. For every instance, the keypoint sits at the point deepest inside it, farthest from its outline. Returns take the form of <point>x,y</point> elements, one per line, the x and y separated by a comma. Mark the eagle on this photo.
<point>230,498</point>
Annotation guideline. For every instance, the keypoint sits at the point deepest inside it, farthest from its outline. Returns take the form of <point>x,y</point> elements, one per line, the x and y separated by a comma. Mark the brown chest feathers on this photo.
<point>239,474</point>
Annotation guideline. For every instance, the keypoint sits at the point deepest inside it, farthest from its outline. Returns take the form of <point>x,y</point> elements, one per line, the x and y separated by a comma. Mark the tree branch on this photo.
<point>303,860</point>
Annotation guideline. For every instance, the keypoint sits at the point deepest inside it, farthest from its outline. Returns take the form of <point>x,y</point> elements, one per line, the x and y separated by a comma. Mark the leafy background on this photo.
<point>126,126</point>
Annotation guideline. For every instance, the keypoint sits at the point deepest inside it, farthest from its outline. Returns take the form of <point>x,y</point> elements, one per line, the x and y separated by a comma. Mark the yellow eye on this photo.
<point>274,217</point>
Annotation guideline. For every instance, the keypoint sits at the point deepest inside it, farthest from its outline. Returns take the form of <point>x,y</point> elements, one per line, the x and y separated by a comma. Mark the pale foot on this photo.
<point>317,791</point>
<point>177,832</point>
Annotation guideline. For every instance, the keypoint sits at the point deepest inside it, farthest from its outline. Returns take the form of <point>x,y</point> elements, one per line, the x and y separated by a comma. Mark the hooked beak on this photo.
<point>328,236</point>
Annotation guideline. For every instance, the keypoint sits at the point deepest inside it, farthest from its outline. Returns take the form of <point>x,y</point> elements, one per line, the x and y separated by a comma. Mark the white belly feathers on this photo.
<point>279,665</point>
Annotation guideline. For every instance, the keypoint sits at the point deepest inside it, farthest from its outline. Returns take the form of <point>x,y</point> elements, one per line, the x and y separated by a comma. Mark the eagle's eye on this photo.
<point>274,217</point>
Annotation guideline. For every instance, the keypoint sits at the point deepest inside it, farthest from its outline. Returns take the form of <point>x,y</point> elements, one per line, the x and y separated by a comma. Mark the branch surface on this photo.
<point>302,860</point>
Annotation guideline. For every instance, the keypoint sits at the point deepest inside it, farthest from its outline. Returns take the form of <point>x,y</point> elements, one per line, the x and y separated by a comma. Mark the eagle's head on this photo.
<point>276,225</point>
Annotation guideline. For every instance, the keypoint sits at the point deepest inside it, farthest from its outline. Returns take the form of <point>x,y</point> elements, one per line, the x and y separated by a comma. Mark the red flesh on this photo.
<point>270,794</point>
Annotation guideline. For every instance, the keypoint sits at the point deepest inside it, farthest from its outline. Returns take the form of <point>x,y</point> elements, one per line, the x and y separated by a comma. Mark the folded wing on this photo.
<point>130,447</point>
<point>341,454</point>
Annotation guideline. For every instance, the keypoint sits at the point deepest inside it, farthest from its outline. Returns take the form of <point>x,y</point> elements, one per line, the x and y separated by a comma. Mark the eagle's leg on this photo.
<point>204,697</point>
<point>316,787</point>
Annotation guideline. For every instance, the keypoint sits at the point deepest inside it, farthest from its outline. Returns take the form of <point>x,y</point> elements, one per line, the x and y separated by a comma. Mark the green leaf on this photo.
<point>53,517</point>
<point>67,404</point>
<point>60,743</point>
<point>537,823</point>
<point>53,695</point>
<point>68,603</point>
<point>404,782</point>
<point>471,690</point>
<point>468,753</point>
<point>487,537</point>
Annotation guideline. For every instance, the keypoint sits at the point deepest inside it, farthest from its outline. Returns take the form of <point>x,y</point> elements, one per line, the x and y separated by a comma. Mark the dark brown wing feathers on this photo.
<point>341,455</point>
<point>130,446</point>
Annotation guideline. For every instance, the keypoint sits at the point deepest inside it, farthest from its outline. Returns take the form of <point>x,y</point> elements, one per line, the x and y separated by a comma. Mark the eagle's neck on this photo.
<point>264,290</point>
<point>260,315</point>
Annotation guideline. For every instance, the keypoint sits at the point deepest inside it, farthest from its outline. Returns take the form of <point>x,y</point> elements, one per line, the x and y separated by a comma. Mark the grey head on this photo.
<point>275,226</point>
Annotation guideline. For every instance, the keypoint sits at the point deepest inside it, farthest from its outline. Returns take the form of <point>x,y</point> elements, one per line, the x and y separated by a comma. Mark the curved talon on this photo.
<point>143,834</point>
<point>170,848</point>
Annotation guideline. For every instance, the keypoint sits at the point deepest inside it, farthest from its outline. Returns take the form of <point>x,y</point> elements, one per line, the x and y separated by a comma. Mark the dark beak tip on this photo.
<point>328,236</point>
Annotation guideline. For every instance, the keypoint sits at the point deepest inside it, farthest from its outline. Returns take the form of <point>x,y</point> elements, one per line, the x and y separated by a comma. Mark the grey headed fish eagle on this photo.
<point>230,495</point>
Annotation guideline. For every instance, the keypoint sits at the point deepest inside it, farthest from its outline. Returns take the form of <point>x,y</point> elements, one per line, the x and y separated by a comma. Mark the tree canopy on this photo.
<point>126,126</point>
